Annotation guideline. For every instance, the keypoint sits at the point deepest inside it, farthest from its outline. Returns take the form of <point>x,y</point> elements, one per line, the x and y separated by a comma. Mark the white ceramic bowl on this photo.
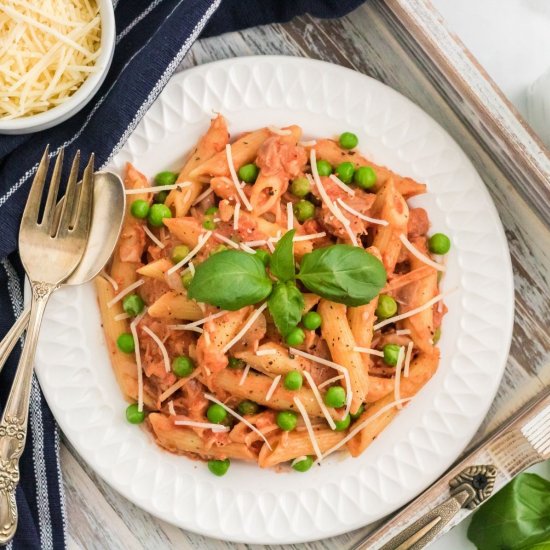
<point>86,91</point>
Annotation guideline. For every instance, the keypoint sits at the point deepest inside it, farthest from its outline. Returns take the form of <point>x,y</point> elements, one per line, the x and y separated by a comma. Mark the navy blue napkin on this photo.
<point>153,36</point>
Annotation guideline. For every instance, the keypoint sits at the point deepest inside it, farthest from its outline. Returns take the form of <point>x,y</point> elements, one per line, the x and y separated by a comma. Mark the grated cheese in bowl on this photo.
<point>48,51</point>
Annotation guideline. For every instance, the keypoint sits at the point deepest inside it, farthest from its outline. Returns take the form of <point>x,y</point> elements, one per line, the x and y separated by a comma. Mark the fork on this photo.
<point>50,248</point>
<point>522,442</point>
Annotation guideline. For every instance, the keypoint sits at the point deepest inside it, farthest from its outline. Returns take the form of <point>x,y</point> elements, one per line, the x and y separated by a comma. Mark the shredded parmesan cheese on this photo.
<point>47,51</point>
<point>351,210</point>
<point>330,381</point>
<point>289,216</point>
<point>236,215</point>
<point>235,179</point>
<point>238,417</point>
<point>412,312</point>
<point>133,330</point>
<point>184,327</point>
<point>415,252</point>
<point>270,246</point>
<point>310,143</point>
<point>279,131</point>
<point>261,242</point>
<point>227,241</point>
<point>202,241</point>
<point>245,374</point>
<point>298,459</point>
<point>151,235</point>
<point>121,317</point>
<point>205,425</point>
<point>397,380</point>
<point>309,428</point>
<point>319,399</point>
<point>245,328</point>
<point>408,360</point>
<point>177,385</point>
<point>403,331</point>
<point>273,387</point>
<point>342,185</point>
<point>156,189</point>
<point>171,408</point>
<point>370,351</point>
<point>125,291</point>
<point>203,196</point>
<point>310,237</point>
<point>161,346</point>
<point>205,320</point>
<point>113,283</point>
<point>247,249</point>
<point>334,365</point>
<point>363,424</point>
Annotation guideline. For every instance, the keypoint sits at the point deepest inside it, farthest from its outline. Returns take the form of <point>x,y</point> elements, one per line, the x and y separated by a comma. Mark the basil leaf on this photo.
<point>516,518</point>
<point>230,279</point>
<point>343,273</point>
<point>286,304</point>
<point>282,259</point>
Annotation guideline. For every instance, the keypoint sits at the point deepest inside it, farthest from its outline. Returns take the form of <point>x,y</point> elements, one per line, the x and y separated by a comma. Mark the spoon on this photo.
<point>107,216</point>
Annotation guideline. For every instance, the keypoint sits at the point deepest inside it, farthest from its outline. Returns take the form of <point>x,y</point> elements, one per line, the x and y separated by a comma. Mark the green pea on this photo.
<point>324,168</point>
<point>133,304</point>
<point>186,279</point>
<point>179,252</point>
<point>160,197</point>
<point>312,320</point>
<point>345,171</point>
<point>219,467</point>
<point>211,211</point>
<point>209,223</point>
<point>365,177</point>
<point>348,140</point>
<point>360,410</point>
<point>391,354</point>
<point>287,420</point>
<point>125,343</point>
<point>134,415</point>
<point>216,413</point>
<point>342,425</point>
<point>386,308</point>
<point>157,213</point>
<point>166,178</point>
<point>303,465</point>
<point>437,335</point>
<point>235,363</point>
<point>219,248</point>
<point>263,255</point>
<point>295,337</point>
<point>304,210</point>
<point>293,380</point>
<point>335,397</point>
<point>140,209</point>
<point>248,173</point>
<point>300,187</point>
<point>183,366</point>
<point>248,408</point>
<point>439,243</point>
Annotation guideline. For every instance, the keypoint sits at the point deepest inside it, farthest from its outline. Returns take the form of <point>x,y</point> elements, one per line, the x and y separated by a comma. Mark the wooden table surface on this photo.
<point>98,517</point>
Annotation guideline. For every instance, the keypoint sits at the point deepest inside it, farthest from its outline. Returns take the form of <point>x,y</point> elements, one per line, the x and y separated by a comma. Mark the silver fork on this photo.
<point>50,249</point>
<point>522,442</point>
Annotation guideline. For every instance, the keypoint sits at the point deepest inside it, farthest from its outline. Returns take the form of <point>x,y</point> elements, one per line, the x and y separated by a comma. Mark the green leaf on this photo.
<point>282,259</point>
<point>516,518</point>
<point>286,304</point>
<point>343,273</point>
<point>231,279</point>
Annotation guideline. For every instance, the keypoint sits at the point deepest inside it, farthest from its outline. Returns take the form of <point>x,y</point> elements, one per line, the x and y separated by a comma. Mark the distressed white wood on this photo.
<point>368,41</point>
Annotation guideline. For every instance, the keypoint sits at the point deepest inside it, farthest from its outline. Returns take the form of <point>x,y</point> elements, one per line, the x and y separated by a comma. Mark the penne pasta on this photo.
<point>173,306</point>
<point>275,363</point>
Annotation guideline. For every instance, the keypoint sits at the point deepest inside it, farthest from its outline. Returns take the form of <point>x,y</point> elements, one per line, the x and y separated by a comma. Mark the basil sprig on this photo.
<point>286,304</point>
<point>233,279</point>
<point>230,279</point>
<point>281,264</point>
<point>343,273</point>
<point>516,518</point>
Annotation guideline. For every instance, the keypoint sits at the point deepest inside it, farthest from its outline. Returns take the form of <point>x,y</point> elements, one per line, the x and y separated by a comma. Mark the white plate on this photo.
<point>261,506</point>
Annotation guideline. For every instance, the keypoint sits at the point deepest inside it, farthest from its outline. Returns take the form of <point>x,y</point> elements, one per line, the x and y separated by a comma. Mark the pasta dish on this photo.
<point>274,301</point>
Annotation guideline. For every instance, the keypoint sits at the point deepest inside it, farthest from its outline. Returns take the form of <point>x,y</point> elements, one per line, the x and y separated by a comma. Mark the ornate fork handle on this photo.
<point>10,339</point>
<point>13,426</point>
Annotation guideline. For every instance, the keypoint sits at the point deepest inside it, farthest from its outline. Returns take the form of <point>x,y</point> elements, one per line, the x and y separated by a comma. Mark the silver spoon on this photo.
<point>108,214</point>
